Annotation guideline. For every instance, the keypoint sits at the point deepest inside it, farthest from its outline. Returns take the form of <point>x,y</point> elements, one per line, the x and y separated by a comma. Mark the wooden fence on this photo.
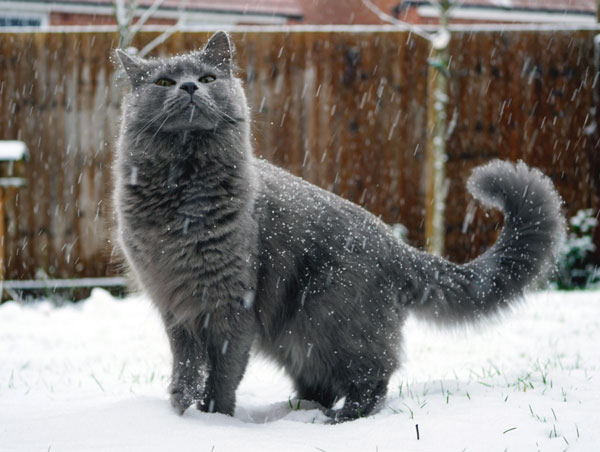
<point>346,111</point>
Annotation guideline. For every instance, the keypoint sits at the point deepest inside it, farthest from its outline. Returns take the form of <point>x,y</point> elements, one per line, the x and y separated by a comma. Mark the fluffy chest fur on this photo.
<point>188,227</point>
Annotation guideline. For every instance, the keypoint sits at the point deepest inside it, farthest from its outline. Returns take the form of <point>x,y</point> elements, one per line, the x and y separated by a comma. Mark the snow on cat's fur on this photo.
<point>236,252</point>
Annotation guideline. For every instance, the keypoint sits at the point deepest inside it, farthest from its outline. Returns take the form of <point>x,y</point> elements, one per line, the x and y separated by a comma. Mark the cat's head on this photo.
<point>185,93</point>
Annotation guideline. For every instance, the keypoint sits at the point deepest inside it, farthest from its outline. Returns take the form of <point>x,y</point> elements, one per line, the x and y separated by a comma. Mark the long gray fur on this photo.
<point>235,252</point>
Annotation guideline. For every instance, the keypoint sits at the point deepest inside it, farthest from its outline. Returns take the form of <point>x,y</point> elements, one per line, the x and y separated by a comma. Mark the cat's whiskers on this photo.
<point>170,110</point>
<point>222,115</point>
<point>156,133</point>
<point>148,124</point>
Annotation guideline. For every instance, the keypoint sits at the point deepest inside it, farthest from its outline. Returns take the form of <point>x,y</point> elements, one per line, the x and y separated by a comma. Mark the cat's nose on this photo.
<point>190,87</point>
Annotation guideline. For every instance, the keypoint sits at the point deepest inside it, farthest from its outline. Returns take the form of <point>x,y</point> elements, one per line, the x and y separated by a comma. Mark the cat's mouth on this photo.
<point>194,114</point>
<point>191,115</point>
<point>194,107</point>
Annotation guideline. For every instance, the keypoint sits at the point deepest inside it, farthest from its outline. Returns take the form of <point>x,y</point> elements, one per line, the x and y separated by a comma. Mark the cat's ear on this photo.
<point>219,51</point>
<point>133,66</point>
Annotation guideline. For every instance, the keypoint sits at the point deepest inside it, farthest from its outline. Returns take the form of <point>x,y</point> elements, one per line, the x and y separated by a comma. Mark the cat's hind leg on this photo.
<point>361,399</point>
<point>325,395</point>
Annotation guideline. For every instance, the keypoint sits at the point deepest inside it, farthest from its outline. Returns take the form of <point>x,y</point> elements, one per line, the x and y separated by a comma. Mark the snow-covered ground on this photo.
<point>94,376</point>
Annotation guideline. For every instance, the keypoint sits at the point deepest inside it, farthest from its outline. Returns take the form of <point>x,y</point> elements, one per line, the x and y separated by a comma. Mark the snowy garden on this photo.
<point>393,117</point>
<point>94,376</point>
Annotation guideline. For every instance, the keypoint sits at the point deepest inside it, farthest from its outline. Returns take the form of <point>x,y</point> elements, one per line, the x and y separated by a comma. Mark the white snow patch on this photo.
<point>13,150</point>
<point>94,376</point>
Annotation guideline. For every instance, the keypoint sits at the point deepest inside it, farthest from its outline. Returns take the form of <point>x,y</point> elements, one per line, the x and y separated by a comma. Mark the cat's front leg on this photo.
<point>229,338</point>
<point>189,367</point>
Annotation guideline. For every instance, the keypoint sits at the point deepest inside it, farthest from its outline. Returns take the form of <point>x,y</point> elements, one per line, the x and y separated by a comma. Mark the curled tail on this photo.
<point>524,254</point>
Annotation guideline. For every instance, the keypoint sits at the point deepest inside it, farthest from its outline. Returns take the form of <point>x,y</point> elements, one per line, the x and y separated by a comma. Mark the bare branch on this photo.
<point>128,33</point>
<point>160,38</point>
<point>147,14</point>
<point>132,6</point>
<point>394,21</point>
<point>446,6</point>
<point>123,23</point>
<point>127,30</point>
<point>119,12</point>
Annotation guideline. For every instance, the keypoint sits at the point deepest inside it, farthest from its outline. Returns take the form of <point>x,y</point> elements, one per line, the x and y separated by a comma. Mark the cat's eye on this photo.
<point>165,82</point>
<point>207,79</point>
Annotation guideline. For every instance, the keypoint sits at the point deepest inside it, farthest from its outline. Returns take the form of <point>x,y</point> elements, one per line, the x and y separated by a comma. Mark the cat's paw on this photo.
<point>206,406</point>
<point>181,399</point>
<point>344,414</point>
<point>223,405</point>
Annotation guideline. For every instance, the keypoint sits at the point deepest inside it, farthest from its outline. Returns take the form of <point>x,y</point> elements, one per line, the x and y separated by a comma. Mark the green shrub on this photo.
<point>576,268</point>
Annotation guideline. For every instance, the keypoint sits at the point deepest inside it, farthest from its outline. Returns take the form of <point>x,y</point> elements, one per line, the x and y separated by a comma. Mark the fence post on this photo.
<point>596,136</point>
<point>435,163</point>
<point>2,266</point>
<point>437,125</point>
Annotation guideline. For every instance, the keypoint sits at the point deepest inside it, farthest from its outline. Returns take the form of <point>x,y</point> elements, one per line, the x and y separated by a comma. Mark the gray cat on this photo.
<point>235,252</point>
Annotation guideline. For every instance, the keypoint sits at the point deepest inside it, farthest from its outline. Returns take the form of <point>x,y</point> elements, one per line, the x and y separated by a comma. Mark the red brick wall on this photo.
<point>322,12</point>
<point>59,18</point>
<point>348,12</point>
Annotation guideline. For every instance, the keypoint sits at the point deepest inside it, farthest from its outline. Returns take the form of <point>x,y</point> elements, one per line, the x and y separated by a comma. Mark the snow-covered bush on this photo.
<point>575,267</point>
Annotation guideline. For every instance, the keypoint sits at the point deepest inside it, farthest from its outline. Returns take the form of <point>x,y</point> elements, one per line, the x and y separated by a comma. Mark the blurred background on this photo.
<point>387,103</point>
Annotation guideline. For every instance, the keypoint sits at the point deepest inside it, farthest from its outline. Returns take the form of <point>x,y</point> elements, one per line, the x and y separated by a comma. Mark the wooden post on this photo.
<point>435,165</point>
<point>6,185</point>
<point>2,202</point>
<point>437,86</point>
<point>596,111</point>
